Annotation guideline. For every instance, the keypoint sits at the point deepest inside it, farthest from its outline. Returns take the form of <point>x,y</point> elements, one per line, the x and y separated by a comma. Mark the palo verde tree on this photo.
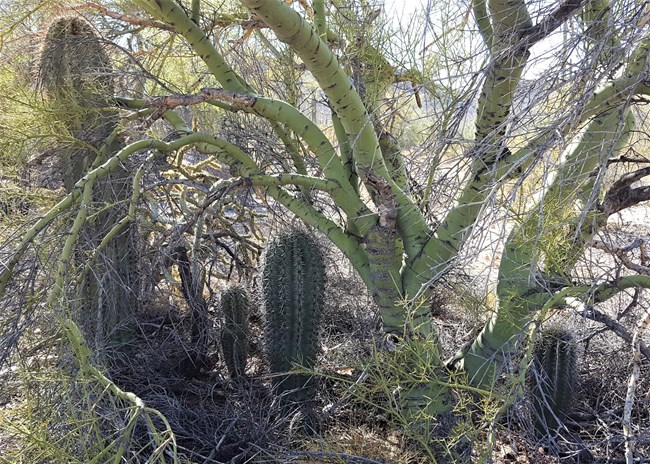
<point>358,168</point>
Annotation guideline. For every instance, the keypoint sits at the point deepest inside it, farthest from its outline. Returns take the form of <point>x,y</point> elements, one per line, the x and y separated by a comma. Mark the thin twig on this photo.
<point>330,409</point>
<point>616,327</point>
<point>620,253</point>
<point>630,441</point>
<point>125,18</point>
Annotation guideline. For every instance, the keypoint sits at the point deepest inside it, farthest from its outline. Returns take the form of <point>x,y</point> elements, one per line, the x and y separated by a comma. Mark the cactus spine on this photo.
<point>293,286</point>
<point>76,79</point>
<point>234,334</point>
<point>556,363</point>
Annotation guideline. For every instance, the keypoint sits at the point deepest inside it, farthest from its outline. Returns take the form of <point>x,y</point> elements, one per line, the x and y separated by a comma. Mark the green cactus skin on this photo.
<point>76,77</point>
<point>556,363</point>
<point>234,334</point>
<point>76,80</point>
<point>73,61</point>
<point>293,287</point>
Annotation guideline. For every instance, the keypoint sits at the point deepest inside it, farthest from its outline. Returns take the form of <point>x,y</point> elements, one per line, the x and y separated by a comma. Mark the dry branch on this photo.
<point>551,22</point>
<point>621,253</point>
<point>616,327</point>
<point>169,102</point>
<point>621,195</point>
<point>123,17</point>
<point>630,441</point>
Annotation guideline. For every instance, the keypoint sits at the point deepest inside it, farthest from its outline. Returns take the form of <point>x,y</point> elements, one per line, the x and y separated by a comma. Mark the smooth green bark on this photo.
<point>401,224</point>
<point>525,263</point>
<point>520,287</point>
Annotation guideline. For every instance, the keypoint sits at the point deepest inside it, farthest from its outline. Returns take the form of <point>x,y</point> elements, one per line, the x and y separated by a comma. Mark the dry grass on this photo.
<point>216,419</point>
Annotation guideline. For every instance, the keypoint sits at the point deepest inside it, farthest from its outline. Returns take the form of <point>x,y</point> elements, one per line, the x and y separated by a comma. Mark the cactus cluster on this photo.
<point>555,360</point>
<point>234,333</point>
<point>293,287</point>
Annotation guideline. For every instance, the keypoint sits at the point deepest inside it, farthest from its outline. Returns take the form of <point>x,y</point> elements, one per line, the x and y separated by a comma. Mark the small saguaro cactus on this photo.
<point>293,286</point>
<point>556,364</point>
<point>234,334</point>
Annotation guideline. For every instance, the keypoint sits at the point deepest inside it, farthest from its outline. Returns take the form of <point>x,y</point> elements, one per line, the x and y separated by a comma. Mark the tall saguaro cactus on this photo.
<point>556,364</point>
<point>293,284</point>
<point>234,334</point>
<point>75,76</point>
<point>76,79</point>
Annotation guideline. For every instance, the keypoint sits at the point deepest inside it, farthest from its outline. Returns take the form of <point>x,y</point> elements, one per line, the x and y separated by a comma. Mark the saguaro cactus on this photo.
<point>234,334</point>
<point>293,284</point>
<point>75,76</point>
<point>76,79</point>
<point>556,364</point>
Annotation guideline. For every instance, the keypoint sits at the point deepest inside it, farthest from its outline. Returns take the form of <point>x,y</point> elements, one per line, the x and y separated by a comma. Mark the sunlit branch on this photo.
<point>125,18</point>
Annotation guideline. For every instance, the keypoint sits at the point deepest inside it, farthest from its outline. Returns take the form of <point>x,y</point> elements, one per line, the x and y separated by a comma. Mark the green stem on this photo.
<point>347,156</point>
<point>294,179</point>
<point>483,21</point>
<point>320,20</point>
<point>72,236</point>
<point>196,11</point>
<point>293,30</point>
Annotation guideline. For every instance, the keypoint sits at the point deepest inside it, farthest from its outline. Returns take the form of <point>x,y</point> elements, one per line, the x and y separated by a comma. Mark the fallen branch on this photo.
<point>593,314</point>
<point>616,327</point>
